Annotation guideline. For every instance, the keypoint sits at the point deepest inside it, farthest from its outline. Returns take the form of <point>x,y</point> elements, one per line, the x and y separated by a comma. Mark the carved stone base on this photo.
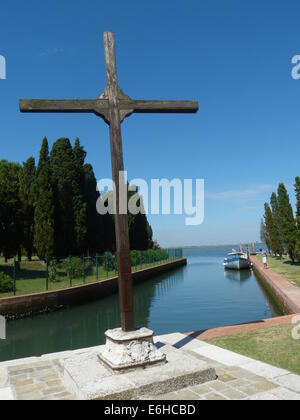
<point>130,350</point>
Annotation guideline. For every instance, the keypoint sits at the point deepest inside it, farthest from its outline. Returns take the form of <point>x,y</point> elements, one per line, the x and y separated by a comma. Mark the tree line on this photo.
<point>280,228</point>
<point>49,210</point>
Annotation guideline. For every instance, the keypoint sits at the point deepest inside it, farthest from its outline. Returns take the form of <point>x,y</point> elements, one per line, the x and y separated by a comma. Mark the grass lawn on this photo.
<point>31,278</point>
<point>286,268</point>
<point>271,345</point>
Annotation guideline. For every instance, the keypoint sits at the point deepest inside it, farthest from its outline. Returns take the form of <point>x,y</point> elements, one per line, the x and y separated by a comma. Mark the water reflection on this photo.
<point>238,275</point>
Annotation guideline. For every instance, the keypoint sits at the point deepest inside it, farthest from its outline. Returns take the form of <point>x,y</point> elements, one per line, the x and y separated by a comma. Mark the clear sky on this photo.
<point>233,56</point>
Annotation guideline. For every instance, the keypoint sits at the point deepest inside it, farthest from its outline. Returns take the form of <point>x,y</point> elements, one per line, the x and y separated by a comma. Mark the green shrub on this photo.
<point>148,257</point>
<point>53,271</point>
<point>108,261</point>
<point>6,283</point>
<point>77,267</point>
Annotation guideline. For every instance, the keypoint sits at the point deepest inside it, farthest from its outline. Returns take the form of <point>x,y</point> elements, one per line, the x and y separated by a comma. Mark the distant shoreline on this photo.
<point>258,244</point>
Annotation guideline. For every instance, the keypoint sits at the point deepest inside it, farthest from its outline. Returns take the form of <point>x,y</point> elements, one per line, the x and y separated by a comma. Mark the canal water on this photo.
<point>196,297</point>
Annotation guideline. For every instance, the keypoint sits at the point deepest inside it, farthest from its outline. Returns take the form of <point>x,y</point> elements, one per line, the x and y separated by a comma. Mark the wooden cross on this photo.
<point>114,106</point>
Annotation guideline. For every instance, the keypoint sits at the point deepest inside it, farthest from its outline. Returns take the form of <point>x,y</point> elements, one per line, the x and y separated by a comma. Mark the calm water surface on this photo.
<point>195,297</point>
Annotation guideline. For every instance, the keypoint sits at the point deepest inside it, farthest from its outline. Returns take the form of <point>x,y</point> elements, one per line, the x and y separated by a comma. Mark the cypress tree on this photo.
<point>11,231</point>
<point>94,225</point>
<point>263,231</point>
<point>297,190</point>
<point>286,221</point>
<point>27,198</point>
<point>70,210</point>
<point>269,227</point>
<point>44,209</point>
<point>277,236</point>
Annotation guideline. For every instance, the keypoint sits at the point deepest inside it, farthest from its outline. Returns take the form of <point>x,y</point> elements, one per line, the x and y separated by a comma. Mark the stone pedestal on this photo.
<point>130,350</point>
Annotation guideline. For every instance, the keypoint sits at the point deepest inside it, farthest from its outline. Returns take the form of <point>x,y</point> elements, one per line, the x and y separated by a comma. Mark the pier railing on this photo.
<point>27,277</point>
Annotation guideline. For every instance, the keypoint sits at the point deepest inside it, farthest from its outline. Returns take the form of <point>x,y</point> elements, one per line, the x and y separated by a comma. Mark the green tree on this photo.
<point>94,225</point>
<point>10,210</point>
<point>44,209</point>
<point>297,190</point>
<point>287,221</point>
<point>140,231</point>
<point>277,235</point>
<point>262,231</point>
<point>27,193</point>
<point>269,227</point>
<point>70,210</point>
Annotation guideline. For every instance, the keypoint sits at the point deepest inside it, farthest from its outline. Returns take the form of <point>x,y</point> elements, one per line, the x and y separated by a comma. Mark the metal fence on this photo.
<point>55,274</point>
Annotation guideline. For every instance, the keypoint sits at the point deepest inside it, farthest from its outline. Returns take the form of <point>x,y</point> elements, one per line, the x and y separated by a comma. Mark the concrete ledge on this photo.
<point>288,294</point>
<point>28,305</point>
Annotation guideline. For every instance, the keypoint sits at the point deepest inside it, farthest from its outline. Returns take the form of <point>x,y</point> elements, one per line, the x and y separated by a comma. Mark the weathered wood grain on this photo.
<point>121,220</point>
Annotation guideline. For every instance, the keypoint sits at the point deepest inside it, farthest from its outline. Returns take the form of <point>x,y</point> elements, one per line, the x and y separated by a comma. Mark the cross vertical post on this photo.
<point>121,220</point>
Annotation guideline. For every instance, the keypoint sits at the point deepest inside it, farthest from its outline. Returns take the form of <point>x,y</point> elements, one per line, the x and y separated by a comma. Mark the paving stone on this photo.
<point>17,372</point>
<point>217,386</point>
<point>264,386</point>
<point>262,369</point>
<point>264,396</point>
<point>223,356</point>
<point>238,383</point>
<point>172,396</point>
<point>290,381</point>
<point>54,390</point>
<point>226,378</point>
<point>31,396</point>
<point>187,394</point>
<point>63,395</point>
<point>201,389</point>
<point>213,396</point>
<point>285,394</point>
<point>6,394</point>
<point>233,394</point>
<point>249,390</point>
<point>3,378</point>
<point>21,382</point>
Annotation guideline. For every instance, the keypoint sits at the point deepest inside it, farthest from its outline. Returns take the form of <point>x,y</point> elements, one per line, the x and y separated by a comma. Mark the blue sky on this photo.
<point>233,57</point>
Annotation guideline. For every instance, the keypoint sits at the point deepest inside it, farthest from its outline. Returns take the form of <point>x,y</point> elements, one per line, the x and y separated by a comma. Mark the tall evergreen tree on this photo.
<point>297,190</point>
<point>94,224</point>
<point>70,210</point>
<point>277,235</point>
<point>44,208</point>
<point>262,231</point>
<point>11,231</point>
<point>269,228</point>
<point>27,197</point>
<point>287,221</point>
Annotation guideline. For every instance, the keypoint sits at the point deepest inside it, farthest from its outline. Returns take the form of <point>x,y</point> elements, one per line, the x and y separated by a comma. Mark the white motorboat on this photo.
<point>237,261</point>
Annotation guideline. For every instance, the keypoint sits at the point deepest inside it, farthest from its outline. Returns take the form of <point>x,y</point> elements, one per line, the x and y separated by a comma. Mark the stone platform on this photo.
<point>91,381</point>
<point>189,375</point>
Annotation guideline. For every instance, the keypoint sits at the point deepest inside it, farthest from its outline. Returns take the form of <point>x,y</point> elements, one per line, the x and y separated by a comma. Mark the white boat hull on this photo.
<point>237,264</point>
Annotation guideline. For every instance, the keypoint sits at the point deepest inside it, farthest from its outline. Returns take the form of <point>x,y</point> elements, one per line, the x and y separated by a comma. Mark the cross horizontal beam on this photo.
<point>101,106</point>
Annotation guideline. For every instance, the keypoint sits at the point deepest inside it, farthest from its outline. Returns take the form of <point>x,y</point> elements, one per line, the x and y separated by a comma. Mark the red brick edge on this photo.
<point>237,329</point>
<point>287,293</point>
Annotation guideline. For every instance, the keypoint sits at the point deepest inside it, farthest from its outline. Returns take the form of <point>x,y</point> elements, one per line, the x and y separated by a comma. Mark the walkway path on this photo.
<point>239,377</point>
